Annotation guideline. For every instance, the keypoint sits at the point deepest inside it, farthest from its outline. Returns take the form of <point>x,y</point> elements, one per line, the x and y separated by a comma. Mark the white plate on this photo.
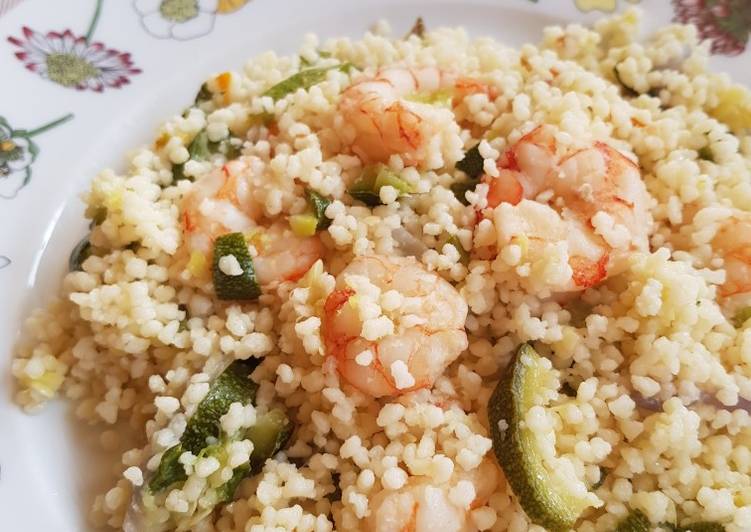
<point>49,465</point>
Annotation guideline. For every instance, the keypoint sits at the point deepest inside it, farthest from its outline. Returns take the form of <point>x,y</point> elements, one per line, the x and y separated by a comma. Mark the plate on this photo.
<point>83,82</point>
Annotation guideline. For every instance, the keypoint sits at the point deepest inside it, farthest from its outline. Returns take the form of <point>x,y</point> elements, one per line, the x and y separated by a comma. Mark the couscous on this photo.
<point>423,283</point>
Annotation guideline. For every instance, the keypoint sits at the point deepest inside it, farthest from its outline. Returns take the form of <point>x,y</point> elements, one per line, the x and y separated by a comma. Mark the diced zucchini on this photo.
<point>80,253</point>
<point>460,189</point>
<point>701,526</point>
<point>234,287</point>
<point>472,163</point>
<point>303,224</point>
<point>318,204</point>
<point>635,521</point>
<point>201,149</point>
<point>463,253</point>
<point>232,386</point>
<point>302,80</point>
<point>367,187</point>
<point>269,435</point>
<point>547,501</point>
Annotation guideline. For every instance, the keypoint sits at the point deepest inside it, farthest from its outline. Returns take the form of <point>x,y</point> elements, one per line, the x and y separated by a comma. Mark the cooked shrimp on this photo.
<point>733,243</point>
<point>422,507</point>
<point>591,199</point>
<point>221,202</point>
<point>386,122</point>
<point>392,326</point>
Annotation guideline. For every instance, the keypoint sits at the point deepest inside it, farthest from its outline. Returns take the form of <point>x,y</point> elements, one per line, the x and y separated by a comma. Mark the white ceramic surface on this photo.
<point>50,465</point>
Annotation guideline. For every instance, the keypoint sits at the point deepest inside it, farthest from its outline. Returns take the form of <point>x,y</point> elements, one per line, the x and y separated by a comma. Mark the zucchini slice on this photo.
<point>368,186</point>
<point>232,386</point>
<point>547,500</point>
<point>234,287</point>
<point>635,521</point>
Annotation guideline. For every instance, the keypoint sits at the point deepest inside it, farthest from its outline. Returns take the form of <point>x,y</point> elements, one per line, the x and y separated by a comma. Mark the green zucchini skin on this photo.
<point>243,287</point>
<point>546,504</point>
<point>233,385</point>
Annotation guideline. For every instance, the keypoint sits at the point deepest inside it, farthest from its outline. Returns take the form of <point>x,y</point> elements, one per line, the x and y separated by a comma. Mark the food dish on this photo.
<point>512,176</point>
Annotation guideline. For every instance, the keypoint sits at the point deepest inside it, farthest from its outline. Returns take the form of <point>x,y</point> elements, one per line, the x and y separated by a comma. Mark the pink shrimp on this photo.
<point>393,112</point>
<point>221,202</point>
<point>592,198</point>
<point>392,326</point>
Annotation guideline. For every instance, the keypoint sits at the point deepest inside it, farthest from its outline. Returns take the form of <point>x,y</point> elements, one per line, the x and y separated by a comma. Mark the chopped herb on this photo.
<point>234,287</point>
<point>628,91</point>
<point>418,28</point>
<point>80,253</point>
<point>302,80</point>
<point>204,95</point>
<point>472,163</point>
<point>368,186</point>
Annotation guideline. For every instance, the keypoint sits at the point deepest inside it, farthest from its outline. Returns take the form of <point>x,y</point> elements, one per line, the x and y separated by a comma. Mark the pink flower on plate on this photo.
<point>726,23</point>
<point>74,61</point>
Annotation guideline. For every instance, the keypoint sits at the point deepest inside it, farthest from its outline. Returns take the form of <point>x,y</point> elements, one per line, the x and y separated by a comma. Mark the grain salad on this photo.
<point>420,283</point>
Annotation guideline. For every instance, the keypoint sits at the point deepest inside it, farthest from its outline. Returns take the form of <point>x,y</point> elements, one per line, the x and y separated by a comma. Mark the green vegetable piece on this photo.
<point>463,253</point>
<point>545,500</point>
<point>318,204</point>
<point>628,91</point>
<point>198,150</point>
<point>232,386</point>
<point>705,153</point>
<point>742,316</point>
<point>303,224</point>
<point>203,95</point>
<point>80,253</point>
<point>367,187</point>
<point>418,28</point>
<point>604,472</point>
<point>472,163</point>
<point>234,287</point>
<point>269,435</point>
<point>702,526</point>
<point>635,521</point>
<point>304,79</point>
<point>460,189</point>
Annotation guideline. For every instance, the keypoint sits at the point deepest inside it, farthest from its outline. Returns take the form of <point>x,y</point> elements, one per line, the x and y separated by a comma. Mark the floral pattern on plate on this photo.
<point>182,19</point>
<point>74,61</point>
<point>726,23</point>
<point>17,153</point>
<point>4,261</point>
